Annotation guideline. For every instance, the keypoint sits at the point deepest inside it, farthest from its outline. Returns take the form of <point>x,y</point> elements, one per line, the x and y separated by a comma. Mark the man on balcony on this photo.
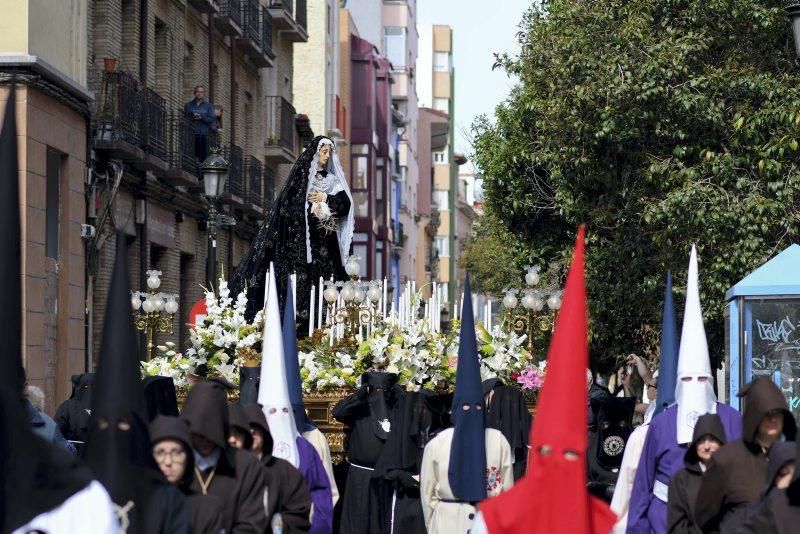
<point>201,112</point>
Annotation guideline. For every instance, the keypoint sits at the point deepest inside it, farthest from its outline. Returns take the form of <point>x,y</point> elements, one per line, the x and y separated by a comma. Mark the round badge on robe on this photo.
<point>386,425</point>
<point>613,445</point>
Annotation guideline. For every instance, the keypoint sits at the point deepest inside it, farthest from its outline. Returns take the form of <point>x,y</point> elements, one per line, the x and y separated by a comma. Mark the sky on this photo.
<point>480,28</point>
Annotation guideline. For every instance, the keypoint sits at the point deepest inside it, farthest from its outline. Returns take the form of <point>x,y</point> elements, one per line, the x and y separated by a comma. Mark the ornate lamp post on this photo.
<point>215,173</point>
<point>360,300</point>
<point>153,310</point>
<point>533,302</point>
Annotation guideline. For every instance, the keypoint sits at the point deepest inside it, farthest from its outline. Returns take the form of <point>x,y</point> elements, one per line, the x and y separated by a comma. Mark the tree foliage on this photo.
<point>658,123</point>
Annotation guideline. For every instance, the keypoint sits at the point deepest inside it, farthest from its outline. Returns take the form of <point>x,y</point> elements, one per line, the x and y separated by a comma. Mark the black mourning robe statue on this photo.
<point>369,416</point>
<point>237,479</point>
<point>287,491</point>
<point>35,476</point>
<point>205,510</point>
<point>607,442</point>
<point>507,412</point>
<point>118,451</point>
<point>282,240</point>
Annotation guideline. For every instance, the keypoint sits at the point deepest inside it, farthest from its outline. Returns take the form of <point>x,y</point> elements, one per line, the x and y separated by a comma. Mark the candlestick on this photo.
<point>312,301</point>
<point>294,293</point>
<point>319,308</point>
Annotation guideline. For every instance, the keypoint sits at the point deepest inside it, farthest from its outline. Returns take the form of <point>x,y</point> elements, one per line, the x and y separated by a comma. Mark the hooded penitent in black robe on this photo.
<point>736,473</point>
<point>287,491</point>
<point>36,477</point>
<point>237,479</point>
<point>205,510</point>
<point>369,417</point>
<point>72,417</point>
<point>685,483</point>
<point>507,412</point>
<point>282,240</point>
<point>119,451</point>
<point>160,396</point>
<point>607,442</point>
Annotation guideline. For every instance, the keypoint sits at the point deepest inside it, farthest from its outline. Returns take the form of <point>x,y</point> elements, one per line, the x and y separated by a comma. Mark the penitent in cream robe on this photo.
<point>320,444</point>
<point>442,517</point>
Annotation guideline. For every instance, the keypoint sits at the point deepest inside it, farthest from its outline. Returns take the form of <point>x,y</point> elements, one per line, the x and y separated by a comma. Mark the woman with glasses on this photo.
<point>170,439</point>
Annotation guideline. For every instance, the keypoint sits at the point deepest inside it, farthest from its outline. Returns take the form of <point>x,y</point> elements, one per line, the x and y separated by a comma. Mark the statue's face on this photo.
<point>323,155</point>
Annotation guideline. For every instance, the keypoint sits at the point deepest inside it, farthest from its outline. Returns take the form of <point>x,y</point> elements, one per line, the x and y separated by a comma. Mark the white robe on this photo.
<point>89,511</point>
<point>456,518</point>
<point>621,500</point>
<point>320,444</point>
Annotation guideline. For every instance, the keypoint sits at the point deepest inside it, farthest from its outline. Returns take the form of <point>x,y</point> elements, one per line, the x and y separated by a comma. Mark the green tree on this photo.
<point>658,123</point>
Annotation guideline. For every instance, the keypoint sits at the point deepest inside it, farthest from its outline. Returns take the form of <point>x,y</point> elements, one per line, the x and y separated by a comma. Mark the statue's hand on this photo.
<point>317,196</point>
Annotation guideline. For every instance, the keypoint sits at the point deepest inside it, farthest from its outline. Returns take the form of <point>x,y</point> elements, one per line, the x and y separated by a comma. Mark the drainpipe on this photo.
<point>143,15</point>
<point>233,90</point>
<point>211,57</point>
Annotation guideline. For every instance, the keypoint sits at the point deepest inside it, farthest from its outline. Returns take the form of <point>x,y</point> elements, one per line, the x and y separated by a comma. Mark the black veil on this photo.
<point>283,231</point>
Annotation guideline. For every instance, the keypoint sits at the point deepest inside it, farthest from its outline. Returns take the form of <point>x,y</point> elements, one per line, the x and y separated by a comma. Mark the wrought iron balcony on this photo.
<point>280,130</point>
<point>205,6</point>
<point>251,42</point>
<point>254,196</point>
<point>154,124</point>
<point>118,117</point>
<point>398,235</point>
<point>266,34</point>
<point>234,186</point>
<point>184,167</point>
<point>290,18</point>
<point>229,20</point>
<point>269,189</point>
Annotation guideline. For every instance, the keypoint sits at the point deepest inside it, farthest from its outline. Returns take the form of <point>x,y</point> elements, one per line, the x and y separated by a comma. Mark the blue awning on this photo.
<point>779,276</point>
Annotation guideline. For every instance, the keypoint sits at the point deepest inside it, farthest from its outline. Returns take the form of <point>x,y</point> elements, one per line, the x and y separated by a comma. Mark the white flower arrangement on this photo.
<point>220,344</point>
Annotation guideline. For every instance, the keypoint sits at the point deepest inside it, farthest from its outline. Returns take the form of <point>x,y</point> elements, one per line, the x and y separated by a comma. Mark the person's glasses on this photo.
<point>177,456</point>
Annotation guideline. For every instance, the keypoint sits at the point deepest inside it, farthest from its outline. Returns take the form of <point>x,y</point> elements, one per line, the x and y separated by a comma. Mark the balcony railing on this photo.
<point>285,4</point>
<point>154,124</point>
<point>300,13</point>
<point>251,9</point>
<point>182,144</point>
<point>229,20</point>
<point>118,118</point>
<point>255,182</point>
<point>280,123</point>
<point>266,32</point>
<point>235,157</point>
<point>269,189</point>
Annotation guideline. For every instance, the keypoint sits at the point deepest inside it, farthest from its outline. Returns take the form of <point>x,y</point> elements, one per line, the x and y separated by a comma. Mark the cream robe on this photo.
<point>456,518</point>
<point>627,473</point>
<point>320,444</point>
<point>89,511</point>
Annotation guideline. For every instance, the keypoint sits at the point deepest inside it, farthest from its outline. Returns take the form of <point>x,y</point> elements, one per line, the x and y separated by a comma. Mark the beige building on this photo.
<point>43,46</point>
<point>435,83</point>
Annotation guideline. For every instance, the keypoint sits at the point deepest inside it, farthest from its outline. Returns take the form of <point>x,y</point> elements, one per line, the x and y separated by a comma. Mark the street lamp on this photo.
<point>792,8</point>
<point>153,310</point>
<point>533,301</point>
<point>215,173</point>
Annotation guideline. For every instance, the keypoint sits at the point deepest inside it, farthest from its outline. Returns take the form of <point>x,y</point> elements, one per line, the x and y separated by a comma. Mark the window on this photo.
<point>441,61</point>
<point>441,104</point>
<point>442,200</point>
<point>328,22</point>
<point>361,248</point>
<point>378,260</point>
<point>442,245</point>
<point>440,157</point>
<point>361,174</point>
<point>52,203</point>
<point>395,46</point>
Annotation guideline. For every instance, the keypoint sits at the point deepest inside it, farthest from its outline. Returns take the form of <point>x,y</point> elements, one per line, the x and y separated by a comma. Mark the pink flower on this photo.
<point>531,378</point>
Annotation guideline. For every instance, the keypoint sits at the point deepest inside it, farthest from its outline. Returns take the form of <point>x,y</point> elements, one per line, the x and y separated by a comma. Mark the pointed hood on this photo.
<point>35,476</point>
<point>467,469</point>
<point>557,459</point>
<point>668,365</point>
<point>118,451</point>
<point>293,380</point>
<point>694,391</point>
<point>273,391</point>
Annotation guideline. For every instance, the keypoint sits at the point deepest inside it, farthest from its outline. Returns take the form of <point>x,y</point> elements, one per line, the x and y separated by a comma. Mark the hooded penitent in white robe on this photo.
<point>451,517</point>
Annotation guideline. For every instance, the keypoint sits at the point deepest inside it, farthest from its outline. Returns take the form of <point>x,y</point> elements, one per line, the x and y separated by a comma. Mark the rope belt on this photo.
<point>362,467</point>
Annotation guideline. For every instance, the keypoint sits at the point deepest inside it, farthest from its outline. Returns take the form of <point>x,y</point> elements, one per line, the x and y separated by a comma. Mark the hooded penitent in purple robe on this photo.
<point>662,457</point>
<point>319,486</point>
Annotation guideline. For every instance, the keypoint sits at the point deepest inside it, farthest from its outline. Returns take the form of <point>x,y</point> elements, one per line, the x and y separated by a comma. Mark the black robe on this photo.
<point>287,494</point>
<point>507,412</point>
<point>683,490</point>
<point>361,509</point>
<point>282,240</point>
<point>72,417</point>
<point>238,483</point>
<point>206,513</point>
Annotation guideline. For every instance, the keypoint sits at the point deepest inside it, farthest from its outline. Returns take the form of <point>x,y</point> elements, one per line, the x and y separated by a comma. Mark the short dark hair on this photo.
<point>198,86</point>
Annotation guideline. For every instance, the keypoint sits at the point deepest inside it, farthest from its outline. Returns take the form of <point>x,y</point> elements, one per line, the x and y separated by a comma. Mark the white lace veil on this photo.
<point>344,225</point>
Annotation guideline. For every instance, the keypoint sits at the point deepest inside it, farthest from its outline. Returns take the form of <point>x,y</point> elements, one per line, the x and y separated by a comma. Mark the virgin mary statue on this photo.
<point>308,232</point>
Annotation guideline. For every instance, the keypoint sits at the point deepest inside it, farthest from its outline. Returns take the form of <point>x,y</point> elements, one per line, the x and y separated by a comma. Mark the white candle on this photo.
<point>294,293</point>
<point>312,302</point>
<point>320,292</point>
<point>385,296</point>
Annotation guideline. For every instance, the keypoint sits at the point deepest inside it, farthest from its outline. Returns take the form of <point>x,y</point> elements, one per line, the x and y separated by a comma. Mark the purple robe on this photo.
<point>661,458</point>
<point>318,485</point>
